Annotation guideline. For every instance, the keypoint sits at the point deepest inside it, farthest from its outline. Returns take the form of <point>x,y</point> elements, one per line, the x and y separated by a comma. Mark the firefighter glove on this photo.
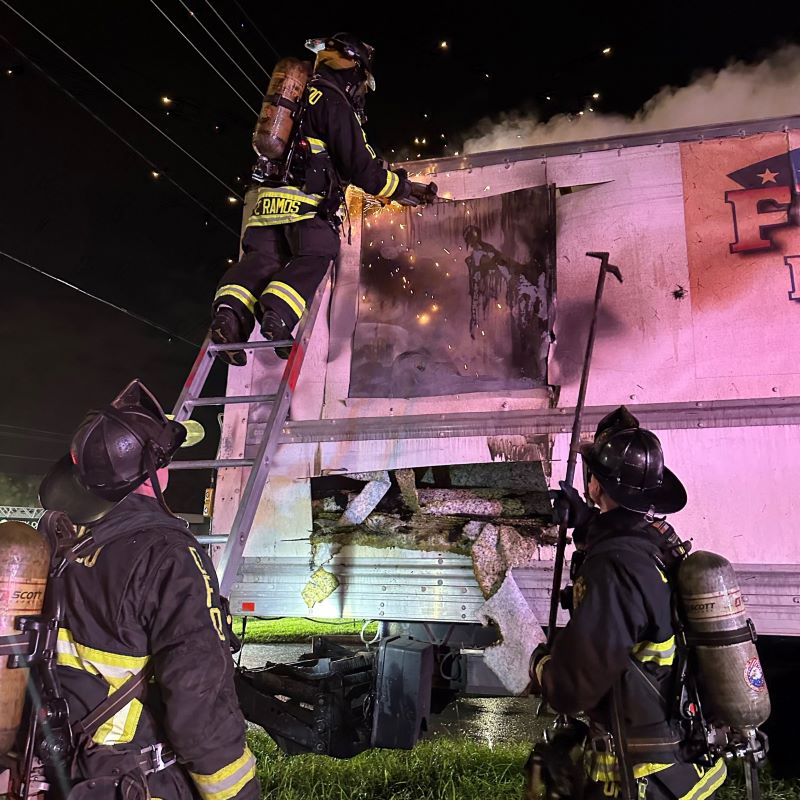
<point>569,507</point>
<point>416,194</point>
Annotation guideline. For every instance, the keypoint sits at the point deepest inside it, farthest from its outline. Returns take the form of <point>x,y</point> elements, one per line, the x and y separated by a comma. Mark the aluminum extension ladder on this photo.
<point>190,398</point>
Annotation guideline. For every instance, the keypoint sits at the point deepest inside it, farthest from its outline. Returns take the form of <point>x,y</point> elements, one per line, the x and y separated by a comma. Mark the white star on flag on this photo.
<point>767,176</point>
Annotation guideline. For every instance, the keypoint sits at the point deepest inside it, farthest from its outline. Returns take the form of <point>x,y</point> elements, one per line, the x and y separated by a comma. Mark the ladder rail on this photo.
<point>259,474</point>
<point>195,381</point>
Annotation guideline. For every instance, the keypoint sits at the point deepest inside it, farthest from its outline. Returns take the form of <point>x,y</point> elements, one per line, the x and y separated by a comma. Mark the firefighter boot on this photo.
<point>274,329</point>
<point>226,329</point>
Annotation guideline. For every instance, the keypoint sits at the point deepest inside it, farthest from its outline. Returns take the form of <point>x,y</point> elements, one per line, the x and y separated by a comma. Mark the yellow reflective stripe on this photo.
<point>709,783</point>
<point>317,145</point>
<point>278,219</point>
<point>310,200</point>
<point>604,768</point>
<point>227,782</point>
<point>660,653</point>
<point>288,193</point>
<point>244,296</point>
<point>289,296</point>
<point>117,665</point>
<point>392,181</point>
<point>115,669</point>
<point>121,728</point>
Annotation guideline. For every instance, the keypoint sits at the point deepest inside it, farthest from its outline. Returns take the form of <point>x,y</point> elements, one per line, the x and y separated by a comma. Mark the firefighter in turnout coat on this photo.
<point>621,633</point>
<point>142,601</point>
<point>292,234</point>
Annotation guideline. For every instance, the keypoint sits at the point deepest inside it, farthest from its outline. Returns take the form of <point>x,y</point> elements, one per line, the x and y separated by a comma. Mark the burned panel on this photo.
<point>455,298</point>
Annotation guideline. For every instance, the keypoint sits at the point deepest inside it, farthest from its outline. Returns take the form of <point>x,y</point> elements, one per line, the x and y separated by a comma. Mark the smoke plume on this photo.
<point>736,93</point>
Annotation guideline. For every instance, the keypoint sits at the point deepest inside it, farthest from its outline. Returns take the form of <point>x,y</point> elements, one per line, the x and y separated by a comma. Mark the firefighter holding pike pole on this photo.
<point>617,660</point>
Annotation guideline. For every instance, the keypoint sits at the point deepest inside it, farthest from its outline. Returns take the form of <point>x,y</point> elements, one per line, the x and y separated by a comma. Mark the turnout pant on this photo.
<point>280,269</point>
<point>677,782</point>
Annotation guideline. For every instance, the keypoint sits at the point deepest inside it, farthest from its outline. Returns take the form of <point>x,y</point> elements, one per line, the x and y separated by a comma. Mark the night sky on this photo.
<point>78,203</point>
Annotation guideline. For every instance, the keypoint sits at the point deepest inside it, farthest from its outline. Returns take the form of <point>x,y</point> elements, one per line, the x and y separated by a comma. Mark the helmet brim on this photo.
<point>62,490</point>
<point>668,498</point>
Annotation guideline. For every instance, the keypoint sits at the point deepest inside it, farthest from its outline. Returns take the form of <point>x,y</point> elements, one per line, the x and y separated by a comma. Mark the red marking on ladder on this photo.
<point>295,364</point>
<point>248,606</point>
<point>195,366</point>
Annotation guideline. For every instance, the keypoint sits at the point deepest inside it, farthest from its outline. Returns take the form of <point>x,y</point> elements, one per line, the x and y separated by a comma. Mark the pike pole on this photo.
<point>558,565</point>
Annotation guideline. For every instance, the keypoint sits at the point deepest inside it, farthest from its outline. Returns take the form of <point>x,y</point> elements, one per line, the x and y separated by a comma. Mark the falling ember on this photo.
<point>434,307</point>
<point>363,297</point>
<point>436,263</point>
<point>486,188</point>
<point>446,251</point>
<point>447,274</point>
<point>499,305</point>
<point>483,333</point>
<point>424,319</point>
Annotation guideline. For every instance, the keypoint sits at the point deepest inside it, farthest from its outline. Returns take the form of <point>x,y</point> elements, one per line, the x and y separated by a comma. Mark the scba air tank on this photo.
<point>24,566</point>
<point>722,639</point>
<point>279,109</point>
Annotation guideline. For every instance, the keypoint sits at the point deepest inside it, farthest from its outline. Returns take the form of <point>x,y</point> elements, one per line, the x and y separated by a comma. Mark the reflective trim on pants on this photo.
<point>244,296</point>
<point>289,295</point>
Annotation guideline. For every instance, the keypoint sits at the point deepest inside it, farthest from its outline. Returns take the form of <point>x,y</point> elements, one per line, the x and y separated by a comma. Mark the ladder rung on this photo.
<point>220,348</point>
<point>214,463</point>
<point>212,538</point>
<point>224,401</point>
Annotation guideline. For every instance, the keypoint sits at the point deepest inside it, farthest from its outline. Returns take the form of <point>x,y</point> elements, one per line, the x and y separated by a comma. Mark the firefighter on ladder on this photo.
<point>293,233</point>
<point>143,602</point>
<point>621,632</point>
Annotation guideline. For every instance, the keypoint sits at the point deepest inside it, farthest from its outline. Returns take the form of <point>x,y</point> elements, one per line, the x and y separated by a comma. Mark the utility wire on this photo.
<point>244,46</point>
<point>37,431</point>
<point>197,50</point>
<point>121,99</point>
<point>100,299</point>
<point>221,46</point>
<point>119,136</point>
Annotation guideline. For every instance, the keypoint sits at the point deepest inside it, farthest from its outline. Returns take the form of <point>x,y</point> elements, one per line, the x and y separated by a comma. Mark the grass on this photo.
<point>298,629</point>
<point>436,769</point>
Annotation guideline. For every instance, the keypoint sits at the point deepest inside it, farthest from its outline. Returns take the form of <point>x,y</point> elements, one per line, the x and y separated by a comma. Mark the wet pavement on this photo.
<point>488,720</point>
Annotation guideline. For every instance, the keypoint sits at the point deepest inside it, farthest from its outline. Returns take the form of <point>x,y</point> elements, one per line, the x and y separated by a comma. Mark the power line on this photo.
<point>100,299</point>
<point>221,46</point>
<point>156,169</point>
<point>197,50</point>
<point>246,49</point>
<point>121,99</point>
<point>25,458</point>
<point>257,29</point>
<point>40,431</point>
